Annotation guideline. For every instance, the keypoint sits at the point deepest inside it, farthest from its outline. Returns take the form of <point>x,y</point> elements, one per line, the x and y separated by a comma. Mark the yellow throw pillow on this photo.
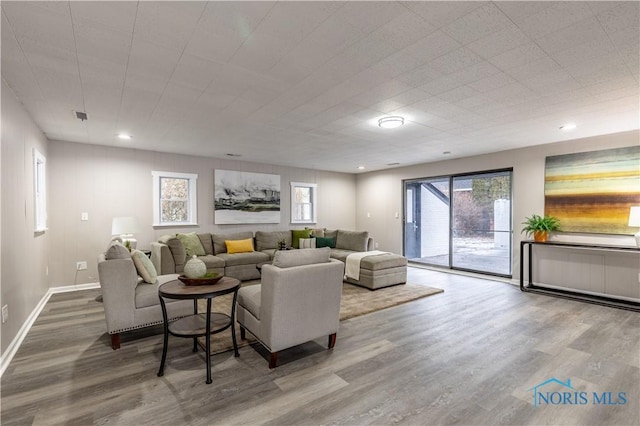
<point>239,246</point>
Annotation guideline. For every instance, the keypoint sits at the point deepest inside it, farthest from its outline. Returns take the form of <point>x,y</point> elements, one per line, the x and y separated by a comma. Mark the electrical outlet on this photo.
<point>5,313</point>
<point>81,266</point>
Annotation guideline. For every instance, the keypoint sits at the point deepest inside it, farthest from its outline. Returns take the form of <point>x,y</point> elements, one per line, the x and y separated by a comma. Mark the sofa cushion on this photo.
<point>325,242</point>
<point>117,251</point>
<point>192,244</point>
<point>297,234</point>
<point>237,259</point>
<point>147,294</point>
<point>207,242</point>
<point>218,240</point>
<point>212,261</point>
<point>144,266</point>
<point>340,254</point>
<point>249,298</point>
<point>330,233</point>
<point>269,240</point>
<point>291,258</point>
<point>239,246</point>
<point>352,240</point>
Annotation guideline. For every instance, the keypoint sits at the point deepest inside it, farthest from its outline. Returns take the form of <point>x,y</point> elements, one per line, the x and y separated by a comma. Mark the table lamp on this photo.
<point>634,220</point>
<point>125,227</point>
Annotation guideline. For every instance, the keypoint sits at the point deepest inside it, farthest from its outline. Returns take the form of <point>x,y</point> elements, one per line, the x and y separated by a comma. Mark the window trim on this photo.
<point>192,220</point>
<point>314,202</point>
<point>39,192</point>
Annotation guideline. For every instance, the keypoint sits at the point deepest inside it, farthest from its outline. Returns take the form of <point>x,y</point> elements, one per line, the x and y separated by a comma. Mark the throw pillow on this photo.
<point>325,242</point>
<point>144,266</point>
<point>239,246</point>
<point>319,232</point>
<point>192,244</point>
<point>307,243</point>
<point>117,251</point>
<point>299,233</point>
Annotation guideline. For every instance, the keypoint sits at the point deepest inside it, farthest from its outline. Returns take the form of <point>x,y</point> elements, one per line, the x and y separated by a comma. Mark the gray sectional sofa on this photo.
<point>169,254</point>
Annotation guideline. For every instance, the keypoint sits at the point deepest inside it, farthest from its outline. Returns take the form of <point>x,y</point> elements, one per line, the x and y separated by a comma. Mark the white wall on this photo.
<point>24,255</point>
<point>528,189</point>
<point>106,182</point>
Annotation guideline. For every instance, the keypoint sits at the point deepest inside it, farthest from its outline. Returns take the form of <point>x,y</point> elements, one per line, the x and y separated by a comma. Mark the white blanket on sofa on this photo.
<point>352,265</point>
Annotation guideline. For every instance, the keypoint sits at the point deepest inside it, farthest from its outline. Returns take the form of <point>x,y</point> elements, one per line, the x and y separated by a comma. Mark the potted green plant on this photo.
<point>540,226</point>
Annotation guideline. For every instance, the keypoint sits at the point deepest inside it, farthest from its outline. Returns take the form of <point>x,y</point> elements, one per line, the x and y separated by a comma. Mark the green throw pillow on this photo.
<point>192,244</point>
<point>299,233</point>
<point>325,242</point>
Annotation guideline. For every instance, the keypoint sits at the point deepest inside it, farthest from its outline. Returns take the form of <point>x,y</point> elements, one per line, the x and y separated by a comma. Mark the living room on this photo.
<point>107,180</point>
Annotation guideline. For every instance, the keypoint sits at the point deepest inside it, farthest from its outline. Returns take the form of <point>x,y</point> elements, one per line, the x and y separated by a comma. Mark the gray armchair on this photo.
<point>298,301</point>
<point>129,303</point>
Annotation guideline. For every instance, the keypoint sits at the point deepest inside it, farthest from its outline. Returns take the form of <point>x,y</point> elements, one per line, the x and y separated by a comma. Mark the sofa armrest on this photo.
<point>162,259</point>
<point>118,280</point>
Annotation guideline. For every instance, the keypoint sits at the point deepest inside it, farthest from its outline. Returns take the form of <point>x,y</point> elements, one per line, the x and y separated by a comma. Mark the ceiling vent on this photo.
<point>82,116</point>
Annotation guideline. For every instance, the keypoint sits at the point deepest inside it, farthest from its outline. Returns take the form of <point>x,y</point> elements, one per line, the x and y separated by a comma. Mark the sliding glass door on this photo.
<point>460,221</point>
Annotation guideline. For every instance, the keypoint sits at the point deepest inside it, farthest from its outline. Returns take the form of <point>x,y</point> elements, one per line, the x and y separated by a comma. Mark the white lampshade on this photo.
<point>125,227</point>
<point>634,220</point>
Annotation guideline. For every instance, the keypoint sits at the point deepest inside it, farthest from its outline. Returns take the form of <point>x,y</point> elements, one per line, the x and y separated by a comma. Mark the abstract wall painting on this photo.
<point>244,197</point>
<point>592,192</point>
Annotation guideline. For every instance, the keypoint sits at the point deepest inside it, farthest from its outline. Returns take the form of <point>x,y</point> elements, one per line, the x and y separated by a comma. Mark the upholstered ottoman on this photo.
<point>381,270</point>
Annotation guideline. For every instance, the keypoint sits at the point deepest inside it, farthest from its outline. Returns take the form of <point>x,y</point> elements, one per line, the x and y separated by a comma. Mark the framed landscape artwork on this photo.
<point>244,197</point>
<point>592,192</point>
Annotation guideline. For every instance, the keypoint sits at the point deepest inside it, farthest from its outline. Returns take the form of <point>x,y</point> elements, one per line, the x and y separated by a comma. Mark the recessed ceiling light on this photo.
<point>390,122</point>
<point>124,136</point>
<point>360,167</point>
<point>568,126</point>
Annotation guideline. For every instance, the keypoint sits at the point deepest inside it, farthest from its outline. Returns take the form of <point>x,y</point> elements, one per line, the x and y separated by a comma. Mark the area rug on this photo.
<point>355,301</point>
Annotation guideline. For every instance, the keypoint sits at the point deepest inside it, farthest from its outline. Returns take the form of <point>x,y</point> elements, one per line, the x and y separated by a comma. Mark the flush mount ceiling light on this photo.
<point>390,122</point>
<point>124,136</point>
<point>360,167</point>
<point>568,126</point>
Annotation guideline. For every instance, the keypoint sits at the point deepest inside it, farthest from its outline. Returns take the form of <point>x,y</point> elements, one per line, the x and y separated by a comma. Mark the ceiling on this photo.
<point>304,83</point>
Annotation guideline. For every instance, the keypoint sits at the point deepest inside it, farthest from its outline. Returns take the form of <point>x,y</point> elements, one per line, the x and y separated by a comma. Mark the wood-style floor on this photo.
<point>467,356</point>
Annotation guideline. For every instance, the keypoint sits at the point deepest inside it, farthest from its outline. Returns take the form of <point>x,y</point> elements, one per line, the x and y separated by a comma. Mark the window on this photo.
<point>303,202</point>
<point>39,191</point>
<point>174,199</point>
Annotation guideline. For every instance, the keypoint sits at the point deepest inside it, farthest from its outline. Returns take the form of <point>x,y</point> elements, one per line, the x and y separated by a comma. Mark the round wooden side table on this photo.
<point>199,324</point>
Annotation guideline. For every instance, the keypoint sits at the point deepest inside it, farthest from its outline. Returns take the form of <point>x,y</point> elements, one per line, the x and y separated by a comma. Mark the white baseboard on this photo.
<point>8,355</point>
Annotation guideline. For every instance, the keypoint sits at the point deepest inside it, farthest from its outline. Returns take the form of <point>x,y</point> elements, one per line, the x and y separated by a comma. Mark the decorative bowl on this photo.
<point>200,281</point>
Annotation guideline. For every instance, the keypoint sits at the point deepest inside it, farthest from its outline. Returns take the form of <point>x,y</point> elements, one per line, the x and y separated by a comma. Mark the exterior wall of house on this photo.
<point>24,254</point>
<point>107,182</point>
<point>380,194</point>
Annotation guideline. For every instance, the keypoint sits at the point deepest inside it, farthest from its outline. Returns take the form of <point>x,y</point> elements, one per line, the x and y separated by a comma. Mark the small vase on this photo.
<point>540,236</point>
<point>195,268</point>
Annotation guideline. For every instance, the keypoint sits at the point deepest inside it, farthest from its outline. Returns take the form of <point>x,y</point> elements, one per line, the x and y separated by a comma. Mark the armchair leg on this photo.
<point>273,360</point>
<point>332,340</point>
<point>243,333</point>
<point>115,341</point>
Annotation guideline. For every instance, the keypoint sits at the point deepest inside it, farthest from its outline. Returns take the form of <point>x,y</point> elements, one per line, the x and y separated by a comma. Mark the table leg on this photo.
<point>195,312</point>
<point>233,324</point>
<point>166,337</point>
<point>208,341</point>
